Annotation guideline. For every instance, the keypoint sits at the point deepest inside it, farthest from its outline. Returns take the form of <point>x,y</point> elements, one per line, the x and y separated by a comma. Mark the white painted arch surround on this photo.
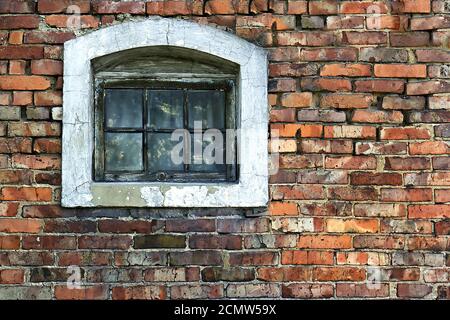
<point>78,187</point>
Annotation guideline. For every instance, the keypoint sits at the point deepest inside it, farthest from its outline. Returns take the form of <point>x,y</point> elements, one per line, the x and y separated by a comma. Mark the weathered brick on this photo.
<point>61,6</point>
<point>19,22</point>
<point>24,83</point>
<point>112,7</point>
<point>400,71</point>
<point>46,67</point>
<point>346,101</point>
<point>26,193</point>
<point>62,292</point>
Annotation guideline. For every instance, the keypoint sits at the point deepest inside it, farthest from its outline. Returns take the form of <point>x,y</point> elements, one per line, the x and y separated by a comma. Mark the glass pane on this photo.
<point>123,152</point>
<point>123,108</point>
<point>165,109</point>
<point>207,106</point>
<point>160,149</point>
<point>208,154</point>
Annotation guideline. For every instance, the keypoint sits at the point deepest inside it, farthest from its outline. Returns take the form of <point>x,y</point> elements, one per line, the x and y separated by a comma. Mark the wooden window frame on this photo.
<point>228,85</point>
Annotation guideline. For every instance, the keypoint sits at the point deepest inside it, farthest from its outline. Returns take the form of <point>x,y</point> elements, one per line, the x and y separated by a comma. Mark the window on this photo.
<point>131,88</point>
<point>136,121</point>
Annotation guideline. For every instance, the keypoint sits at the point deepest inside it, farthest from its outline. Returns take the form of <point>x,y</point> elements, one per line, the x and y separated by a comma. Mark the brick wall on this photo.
<point>359,94</point>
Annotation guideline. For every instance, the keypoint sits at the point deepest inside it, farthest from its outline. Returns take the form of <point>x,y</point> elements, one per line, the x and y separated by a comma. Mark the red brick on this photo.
<point>405,133</point>
<point>21,52</point>
<point>325,242</point>
<point>352,193</point>
<point>394,86</point>
<point>197,291</point>
<point>307,257</point>
<point>84,258</point>
<point>41,162</point>
<point>346,101</point>
<point>427,243</point>
<point>406,195</point>
<point>45,145</point>
<point>48,98</point>
<point>366,178</point>
<point>26,193</point>
<point>9,242</point>
<point>267,20</point>
<point>283,208</point>
<point>11,276</point>
<point>46,67</point>
<point>63,21</point>
<point>326,146</point>
<point>173,8</point>
<point>220,7</point>
<point>36,129</point>
<point>346,70</point>
<point>15,145</point>
<point>307,291</point>
<point>297,7</point>
<point>19,22</point>
<point>428,87</point>
<point>24,83</point>
<point>359,132</point>
<point>304,39</point>
<point>345,22</point>
<point>327,7</point>
<point>410,39</point>
<point>387,22</point>
<point>51,37</point>
<point>427,55</point>
<point>8,209</point>
<point>104,242</point>
<point>21,225</point>
<point>430,23</point>
<point>379,242</point>
<point>429,211</point>
<point>410,163</point>
<point>100,292</point>
<point>329,54</point>
<point>298,192</point>
<point>112,7</point>
<point>17,67</point>
<point>351,225</point>
<point>285,274</point>
<point>22,98</point>
<point>409,290</point>
<point>352,290</point>
<point>414,6</point>
<point>283,115</point>
<point>61,6</point>
<point>403,103</point>
<point>364,38</point>
<point>429,147</point>
<point>297,100</point>
<point>400,71</point>
<point>351,162</point>
<point>17,6</point>
<point>338,274</point>
<point>363,7</point>
<point>442,195</point>
<point>139,293</point>
<point>377,116</point>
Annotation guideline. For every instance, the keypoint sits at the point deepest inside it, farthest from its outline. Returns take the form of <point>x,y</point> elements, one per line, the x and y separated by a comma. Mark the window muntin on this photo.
<point>133,143</point>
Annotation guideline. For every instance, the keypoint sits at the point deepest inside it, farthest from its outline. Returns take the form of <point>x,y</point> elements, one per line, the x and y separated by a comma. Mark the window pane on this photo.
<point>123,152</point>
<point>207,106</point>
<point>165,109</point>
<point>210,158</point>
<point>159,153</point>
<point>123,108</point>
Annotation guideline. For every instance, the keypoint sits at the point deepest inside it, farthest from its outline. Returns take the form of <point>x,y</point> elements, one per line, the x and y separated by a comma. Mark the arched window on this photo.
<point>161,113</point>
